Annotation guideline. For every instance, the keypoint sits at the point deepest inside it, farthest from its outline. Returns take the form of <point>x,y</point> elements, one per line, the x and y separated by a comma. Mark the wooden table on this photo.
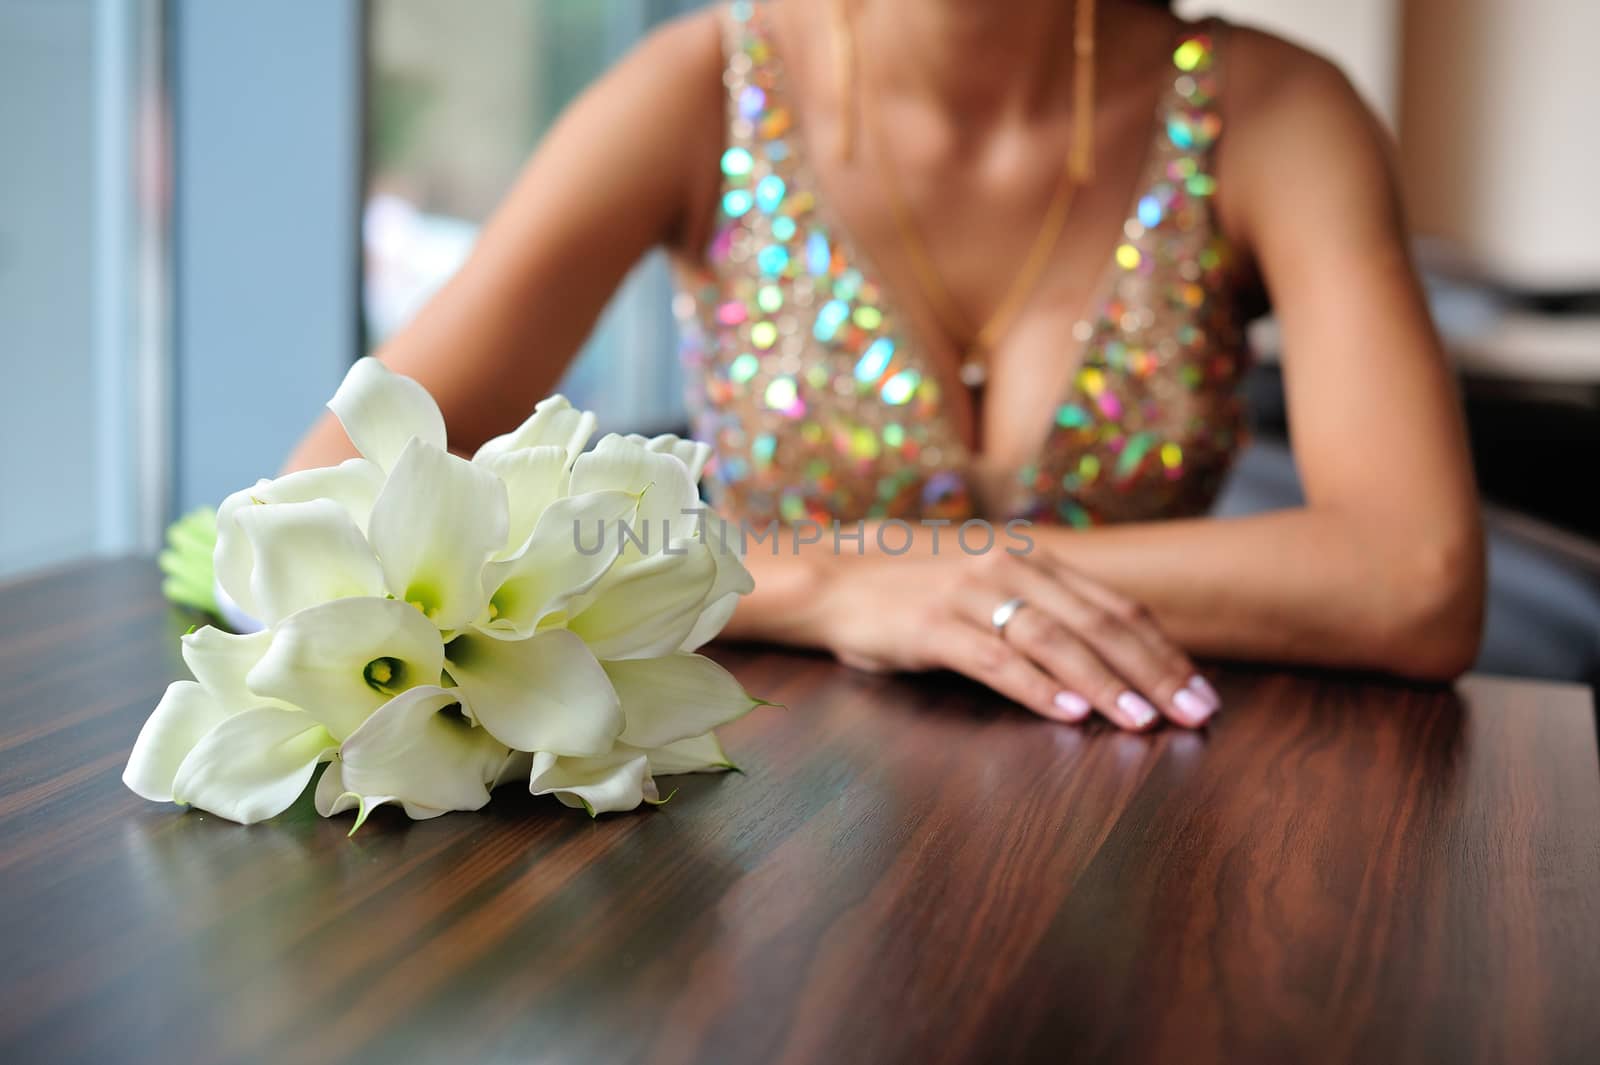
<point>1339,869</point>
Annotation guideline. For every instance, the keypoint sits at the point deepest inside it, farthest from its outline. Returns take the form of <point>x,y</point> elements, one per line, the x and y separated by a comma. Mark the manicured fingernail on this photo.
<point>1200,687</point>
<point>1191,707</point>
<point>1139,711</point>
<point>1074,706</point>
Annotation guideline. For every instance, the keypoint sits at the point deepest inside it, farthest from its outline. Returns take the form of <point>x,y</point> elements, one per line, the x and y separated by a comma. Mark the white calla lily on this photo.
<point>692,453</point>
<point>669,502</point>
<point>712,620</point>
<point>543,693</point>
<point>353,484</point>
<point>305,554</point>
<point>514,770</point>
<point>732,580</point>
<point>536,478</point>
<point>382,411</point>
<point>435,627</point>
<point>572,548</point>
<point>554,422</point>
<point>342,660</point>
<point>191,708</point>
<point>420,749</point>
<point>697,754</point>
<point>332,798</point>
<point>437,522</point>
<point>183,716</point>
<point>614,782</point>
<point>220,660</point>
<point>675,697</point>
<point>253,765</point>
<point>649,607</point>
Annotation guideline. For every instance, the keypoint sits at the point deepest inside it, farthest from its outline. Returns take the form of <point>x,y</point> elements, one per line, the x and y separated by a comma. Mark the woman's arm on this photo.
<point>630,165</point>
<point>1383,567</point>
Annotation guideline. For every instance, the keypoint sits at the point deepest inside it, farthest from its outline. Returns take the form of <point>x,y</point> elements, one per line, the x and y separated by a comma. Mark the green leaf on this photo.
<point>186,560</point>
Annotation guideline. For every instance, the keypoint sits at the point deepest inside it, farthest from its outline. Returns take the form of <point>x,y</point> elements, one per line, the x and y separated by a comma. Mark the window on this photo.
<point>458,96</point>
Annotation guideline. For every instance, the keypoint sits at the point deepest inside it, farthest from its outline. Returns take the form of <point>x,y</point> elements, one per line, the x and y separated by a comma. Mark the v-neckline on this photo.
<point>921,355</point>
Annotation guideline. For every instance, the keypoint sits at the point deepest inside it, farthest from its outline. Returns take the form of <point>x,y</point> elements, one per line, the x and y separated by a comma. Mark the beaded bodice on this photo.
<point>818,404</point>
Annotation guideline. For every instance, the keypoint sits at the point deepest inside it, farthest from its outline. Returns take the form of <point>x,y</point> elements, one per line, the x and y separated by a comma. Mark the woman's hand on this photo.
<point>1074,647</point>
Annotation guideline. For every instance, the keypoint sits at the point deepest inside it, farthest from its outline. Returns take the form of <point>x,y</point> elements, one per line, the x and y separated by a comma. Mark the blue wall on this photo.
<point>49,429</point>
<point>268,158</point>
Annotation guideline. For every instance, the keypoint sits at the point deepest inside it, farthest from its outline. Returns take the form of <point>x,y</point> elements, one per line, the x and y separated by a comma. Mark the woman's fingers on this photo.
<point>980,654</point>
<point>1130,640</point>
<point>1036,633</point>
<point>1102,652</point>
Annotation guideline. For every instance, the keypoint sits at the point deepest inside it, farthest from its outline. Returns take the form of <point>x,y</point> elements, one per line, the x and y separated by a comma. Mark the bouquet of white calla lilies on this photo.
<point>434,627</point>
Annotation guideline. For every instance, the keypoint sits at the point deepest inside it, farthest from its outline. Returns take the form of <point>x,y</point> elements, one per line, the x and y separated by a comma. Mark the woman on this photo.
<point>944,259</point>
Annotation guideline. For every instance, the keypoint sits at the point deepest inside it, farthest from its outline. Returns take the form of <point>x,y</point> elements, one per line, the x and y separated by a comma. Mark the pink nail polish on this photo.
<point>1200,687</point>
<point>1191,707</point>
<point>1074,706</point>
<point>1138,709</point>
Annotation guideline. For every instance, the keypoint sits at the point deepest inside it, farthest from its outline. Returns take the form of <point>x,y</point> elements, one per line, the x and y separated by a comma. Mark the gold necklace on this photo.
<point>975,353</point>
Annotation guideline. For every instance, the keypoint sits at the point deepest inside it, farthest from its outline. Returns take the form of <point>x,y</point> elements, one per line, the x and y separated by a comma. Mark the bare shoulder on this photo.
<point>686,48</point>
<point>668,86</point>
<point>667,97</point>
<point>1272,80</point>
<point>1295,126</point>
<point>679,65</point>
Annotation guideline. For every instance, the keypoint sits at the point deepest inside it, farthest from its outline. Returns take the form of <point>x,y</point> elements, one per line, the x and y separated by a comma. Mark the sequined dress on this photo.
<point>818,406</point>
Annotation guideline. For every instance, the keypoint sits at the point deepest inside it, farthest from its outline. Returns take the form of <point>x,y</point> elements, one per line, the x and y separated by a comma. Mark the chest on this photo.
<point>827,387</point>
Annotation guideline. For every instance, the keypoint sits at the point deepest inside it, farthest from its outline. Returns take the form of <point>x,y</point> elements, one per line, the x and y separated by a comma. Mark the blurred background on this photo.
<point>209,208</point>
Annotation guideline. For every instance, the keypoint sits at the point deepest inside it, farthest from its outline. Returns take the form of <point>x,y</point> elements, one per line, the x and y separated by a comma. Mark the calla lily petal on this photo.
<point>414,748</point>
<point>712,620</point>
<point>438,520</point>
<point>232,614</point>
<point>692,453</point>
<point>647,608</point>
<point>574,544</point>
<point>219,661</point>
<point>535,477</point>
<point>516,768</point>
<point>732,581</point>
<point>674,698</point>
<point>381,411</point>
<point>332,798</point>
<point>253,765</point>
<point>183,716</point>
<point>544,693</point>
<point>668,500</point>
<point>554,421</point>
<point>698,754</point>
<point>342,660</point>
<point>353,484</point>
<point>305,554</point>
<point>618,781</point>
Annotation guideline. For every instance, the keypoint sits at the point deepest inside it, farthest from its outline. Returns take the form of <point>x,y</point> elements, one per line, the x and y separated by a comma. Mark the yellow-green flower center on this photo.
<point>384,675</point>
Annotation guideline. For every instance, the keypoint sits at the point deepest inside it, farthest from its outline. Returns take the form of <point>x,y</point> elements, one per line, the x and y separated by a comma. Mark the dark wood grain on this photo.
<point>1339,869</point>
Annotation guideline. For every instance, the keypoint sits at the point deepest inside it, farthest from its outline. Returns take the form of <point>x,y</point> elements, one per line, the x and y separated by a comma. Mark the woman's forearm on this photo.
<point>1318,586</point>
<point>1310,585</point>
<point>324,445</point>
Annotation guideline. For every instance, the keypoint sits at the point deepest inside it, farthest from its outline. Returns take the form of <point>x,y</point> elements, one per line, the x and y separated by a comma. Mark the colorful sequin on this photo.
<point>818,407</point>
